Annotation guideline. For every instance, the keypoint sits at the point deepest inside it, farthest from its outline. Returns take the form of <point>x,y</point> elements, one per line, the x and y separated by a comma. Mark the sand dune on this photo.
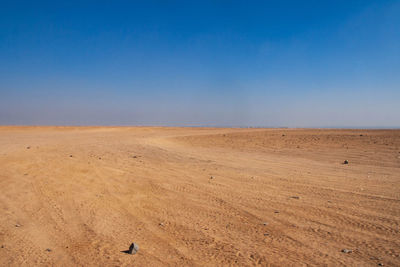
<point>199,196</point>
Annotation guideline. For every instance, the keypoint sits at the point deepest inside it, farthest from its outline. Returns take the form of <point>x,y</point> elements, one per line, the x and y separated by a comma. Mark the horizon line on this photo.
<point>210,126</point>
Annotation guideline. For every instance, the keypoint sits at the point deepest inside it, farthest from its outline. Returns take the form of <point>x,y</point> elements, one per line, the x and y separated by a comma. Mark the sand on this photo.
<point>79,196</point>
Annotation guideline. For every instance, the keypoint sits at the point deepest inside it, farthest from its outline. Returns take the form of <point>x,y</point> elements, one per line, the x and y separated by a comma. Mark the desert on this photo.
<point>79,196</point>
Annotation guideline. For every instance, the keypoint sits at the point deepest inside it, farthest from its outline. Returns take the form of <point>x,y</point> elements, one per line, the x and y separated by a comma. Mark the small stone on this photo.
<point>70,156</point>
<point>295,197</point>
<point>277,211</point>
<point>283,135</point>
<point>99,157</point>
<point>211,177</point>
<point>134,157</point>
<point>2,246</point>
<point>346,162</point>
<point>161,224</point>
<point>17,225</point>
<point>380,264</point>
<point>266,234</point>
<point>133,248</point>
<point>265,223</point>
<point>361,135</point>
<point>48,250</point>
<point>347,251</point>
<point>28,147</point>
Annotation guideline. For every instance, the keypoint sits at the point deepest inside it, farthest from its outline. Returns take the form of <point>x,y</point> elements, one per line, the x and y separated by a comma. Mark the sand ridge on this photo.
<point>277,197</point>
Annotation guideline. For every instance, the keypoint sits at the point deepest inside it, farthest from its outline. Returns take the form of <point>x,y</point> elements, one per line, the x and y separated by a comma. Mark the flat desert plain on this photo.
<point>79,196</point>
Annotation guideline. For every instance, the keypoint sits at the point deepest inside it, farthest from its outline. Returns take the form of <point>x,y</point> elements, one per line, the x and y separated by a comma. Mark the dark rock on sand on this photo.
<point>133,248</point>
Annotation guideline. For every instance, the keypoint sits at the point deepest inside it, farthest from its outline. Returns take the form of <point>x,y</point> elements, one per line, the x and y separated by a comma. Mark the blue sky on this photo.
<point>214,63</point>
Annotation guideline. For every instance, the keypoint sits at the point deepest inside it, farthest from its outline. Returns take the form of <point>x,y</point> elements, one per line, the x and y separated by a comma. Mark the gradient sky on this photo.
<point>214,63</point>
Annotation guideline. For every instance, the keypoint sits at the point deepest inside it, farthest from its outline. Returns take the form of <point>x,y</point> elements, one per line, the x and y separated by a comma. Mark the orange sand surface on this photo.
<point>199,196</point>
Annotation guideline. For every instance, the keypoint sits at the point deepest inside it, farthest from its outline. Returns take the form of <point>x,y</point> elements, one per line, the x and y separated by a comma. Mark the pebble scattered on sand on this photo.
<point>346,162</point>
<point>70,156</point>
<point>277,211</point>
<point>211,177</point>
<point>133,248</point>
<point>161,224</point>
<point>17,225</point>
<point>48,250</point>
<point>347,250</point>
<point>28,147</point>
<point>265,223</point>
<point>295,197</point>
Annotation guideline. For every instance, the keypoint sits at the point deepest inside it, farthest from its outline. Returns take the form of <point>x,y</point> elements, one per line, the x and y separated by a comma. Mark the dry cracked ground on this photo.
<point>79,196</point>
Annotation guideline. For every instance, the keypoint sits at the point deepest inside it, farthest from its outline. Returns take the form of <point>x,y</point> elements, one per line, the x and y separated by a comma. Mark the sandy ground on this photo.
<point>199,196</point>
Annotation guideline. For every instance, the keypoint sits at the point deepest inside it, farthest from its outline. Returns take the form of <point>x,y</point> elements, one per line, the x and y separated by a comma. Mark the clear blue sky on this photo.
<point>216,63</point>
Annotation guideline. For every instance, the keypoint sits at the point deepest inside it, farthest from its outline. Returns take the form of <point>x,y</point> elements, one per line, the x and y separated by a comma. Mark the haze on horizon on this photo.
<point>205,63</point>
